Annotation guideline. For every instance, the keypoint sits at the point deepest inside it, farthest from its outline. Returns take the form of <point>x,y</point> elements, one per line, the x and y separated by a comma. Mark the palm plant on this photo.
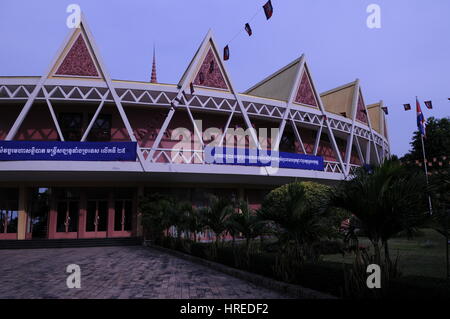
<point>156,211</point>
<point>191,219</point>
<point>247,223</point>
<point>215,216</point>
<point>386,201</point>
<point>297,214</point>
<point>440,185</point>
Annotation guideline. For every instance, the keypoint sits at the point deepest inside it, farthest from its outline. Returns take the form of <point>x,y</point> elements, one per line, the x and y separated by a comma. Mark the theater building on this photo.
<point>78,148</point>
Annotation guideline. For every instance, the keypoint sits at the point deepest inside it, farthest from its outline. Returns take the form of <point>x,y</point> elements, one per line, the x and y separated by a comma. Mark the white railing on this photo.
<point>187,156</point>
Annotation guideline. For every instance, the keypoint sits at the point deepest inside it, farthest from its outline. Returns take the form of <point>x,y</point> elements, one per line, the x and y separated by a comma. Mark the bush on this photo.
<point>329,247</point>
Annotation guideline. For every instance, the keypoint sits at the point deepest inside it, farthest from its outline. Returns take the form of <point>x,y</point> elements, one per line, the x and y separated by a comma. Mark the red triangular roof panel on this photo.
<point>78,61</point>
<point>210,74</point>
<point>305,93</point>
<point>361,114</point>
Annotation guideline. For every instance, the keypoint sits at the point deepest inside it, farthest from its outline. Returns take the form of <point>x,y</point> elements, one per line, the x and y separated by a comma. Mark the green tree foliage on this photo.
<point>215,216</point>
<point>437,143</point>
<point>440,191</point>
<point>297,215</point>
<point>157,215</point>
<point>386,201</point>
<point>247,223</point>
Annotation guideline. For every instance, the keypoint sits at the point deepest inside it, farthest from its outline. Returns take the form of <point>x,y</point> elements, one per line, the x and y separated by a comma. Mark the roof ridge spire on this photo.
<point>153,77</point>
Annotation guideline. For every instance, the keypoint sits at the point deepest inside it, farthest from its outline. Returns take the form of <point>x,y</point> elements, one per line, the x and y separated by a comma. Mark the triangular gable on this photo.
<point>277,85</point>
<point>210,73</point>
<point>77,59</point>
<point>305,94</point>
<point>339,100</point>
<point>361,112</point>
<point>375,116</point>
<point>206,69</point>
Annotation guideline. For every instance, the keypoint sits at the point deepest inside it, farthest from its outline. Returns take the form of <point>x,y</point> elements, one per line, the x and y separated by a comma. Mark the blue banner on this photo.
<point>254,157</point>
<point>67,151</point>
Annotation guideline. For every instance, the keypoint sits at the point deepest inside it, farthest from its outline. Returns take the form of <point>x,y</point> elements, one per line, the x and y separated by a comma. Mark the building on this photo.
<point>77,148</point>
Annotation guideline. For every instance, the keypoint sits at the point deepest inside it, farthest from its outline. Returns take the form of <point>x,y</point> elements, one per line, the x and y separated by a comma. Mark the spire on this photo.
<point>153,79</point>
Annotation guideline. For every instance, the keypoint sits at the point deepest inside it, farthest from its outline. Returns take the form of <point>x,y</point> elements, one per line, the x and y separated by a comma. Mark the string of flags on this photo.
<point>438,161</point>
<point>428,104</point>
<point>268,12</point>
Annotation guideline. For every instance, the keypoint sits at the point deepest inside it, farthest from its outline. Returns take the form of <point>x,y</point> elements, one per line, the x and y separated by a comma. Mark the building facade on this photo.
<point>78,148</point>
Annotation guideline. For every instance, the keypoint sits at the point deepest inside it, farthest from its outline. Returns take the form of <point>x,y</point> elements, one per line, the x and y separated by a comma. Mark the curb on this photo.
<point>282,287</point>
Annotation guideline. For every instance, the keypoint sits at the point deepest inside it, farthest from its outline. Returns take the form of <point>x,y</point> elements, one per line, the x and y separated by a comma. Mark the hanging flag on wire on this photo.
<point>428,104</point>
<point>420,119</point>
<point>268,9</point>
<point>191,86</point>
<point>226,53</point>
<point>407,107</point>
<point>385,110</point>
<point>248,29</point>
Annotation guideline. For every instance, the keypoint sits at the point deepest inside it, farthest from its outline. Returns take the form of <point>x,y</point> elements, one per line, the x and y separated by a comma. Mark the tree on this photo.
<point>156,215</point>
<point>437,143</point>
<point>440,186</point>
<point>386,201</point>
<point>246,222</point>
<point>297,213</point>
<point>216,215</point>
<point>192,221</point>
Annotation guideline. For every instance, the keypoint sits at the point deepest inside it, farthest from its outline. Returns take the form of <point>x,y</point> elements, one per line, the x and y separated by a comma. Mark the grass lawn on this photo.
<point>420,256</point>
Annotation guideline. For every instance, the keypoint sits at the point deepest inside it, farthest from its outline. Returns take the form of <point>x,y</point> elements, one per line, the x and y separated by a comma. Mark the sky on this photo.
<point>408,56</point>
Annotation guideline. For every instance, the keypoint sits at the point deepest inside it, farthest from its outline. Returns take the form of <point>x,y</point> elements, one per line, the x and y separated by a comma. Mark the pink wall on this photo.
<point>38,125</point>
<point>146,123</point>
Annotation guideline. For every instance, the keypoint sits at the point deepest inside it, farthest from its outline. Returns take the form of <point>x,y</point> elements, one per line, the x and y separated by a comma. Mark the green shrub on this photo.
<point>329,247</point>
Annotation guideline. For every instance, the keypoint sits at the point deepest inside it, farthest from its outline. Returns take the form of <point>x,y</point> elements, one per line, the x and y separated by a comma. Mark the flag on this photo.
<point>420,119</point>
<point>428,104</point>
<point>407,107</point>
<point>268,9</point>
<point>385,110</point>
<point>248,29</point>
<point>226,53</point>
<point>191,86</point>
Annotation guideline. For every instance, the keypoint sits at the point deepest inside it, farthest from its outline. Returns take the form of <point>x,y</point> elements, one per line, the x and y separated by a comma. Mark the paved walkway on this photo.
<point>116,272</point>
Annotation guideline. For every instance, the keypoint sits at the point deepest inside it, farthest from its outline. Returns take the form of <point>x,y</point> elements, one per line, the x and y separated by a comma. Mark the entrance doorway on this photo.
<point>97,217</point>
<point>97,213</point>
<point>67,209</point>
<point>9,212</point>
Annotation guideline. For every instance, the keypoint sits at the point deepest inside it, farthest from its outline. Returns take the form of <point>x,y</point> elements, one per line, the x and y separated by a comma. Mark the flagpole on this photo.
<point>430,208</point>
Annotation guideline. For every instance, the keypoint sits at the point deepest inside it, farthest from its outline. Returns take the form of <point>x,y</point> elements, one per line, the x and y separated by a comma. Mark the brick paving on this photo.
<point>116,272</point>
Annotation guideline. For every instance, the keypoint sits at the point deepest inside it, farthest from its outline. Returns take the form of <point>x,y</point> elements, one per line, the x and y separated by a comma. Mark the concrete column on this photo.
<point>111,213</point>
<point>22,218</point>
<point>139,228</point>
<point>52,215</point>
<point>82,214</point>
